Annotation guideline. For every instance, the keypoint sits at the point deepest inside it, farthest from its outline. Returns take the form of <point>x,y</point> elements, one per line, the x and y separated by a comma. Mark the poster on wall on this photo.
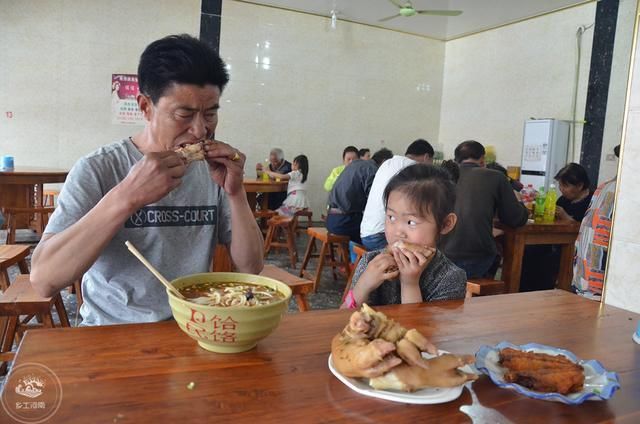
<point>124,108</point>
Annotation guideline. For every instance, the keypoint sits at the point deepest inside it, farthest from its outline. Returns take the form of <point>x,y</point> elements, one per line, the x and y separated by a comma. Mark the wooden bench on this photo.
<point>326,256</point>
<point>41,217</point>
<point>484,287</point>
<point>21,299</point>
<point>300,287</point>
<point>281,234</point>
<point>10,255</point>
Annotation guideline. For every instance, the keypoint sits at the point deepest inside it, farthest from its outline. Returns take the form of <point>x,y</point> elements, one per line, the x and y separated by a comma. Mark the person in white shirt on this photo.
<point>372,226</point>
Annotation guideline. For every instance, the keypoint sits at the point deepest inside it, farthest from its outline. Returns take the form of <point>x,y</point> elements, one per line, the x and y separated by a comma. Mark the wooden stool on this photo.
<point>301,227</point>
<point>326,255</point>
<point>281,234</point>
<point>262,216</point>
<point>11,254</point>
<point>48,197</point>
<point>299,286</point>
<point>484,287</point>
<point>359,250</point>
<point>11,213</point>
<point>21,299</point>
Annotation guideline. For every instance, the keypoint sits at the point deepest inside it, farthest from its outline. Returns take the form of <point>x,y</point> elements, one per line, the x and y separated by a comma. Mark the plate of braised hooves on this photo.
<point>546,372</point>
<point>377,357</point>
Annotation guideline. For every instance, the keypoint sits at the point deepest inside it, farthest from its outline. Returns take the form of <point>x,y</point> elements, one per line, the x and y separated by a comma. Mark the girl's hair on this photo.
<point>303,166</point>
<point>574,174</point>
<point>429,188</point>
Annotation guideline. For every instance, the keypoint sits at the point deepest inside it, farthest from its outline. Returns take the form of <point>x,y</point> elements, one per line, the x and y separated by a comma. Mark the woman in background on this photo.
<point>541,263</point>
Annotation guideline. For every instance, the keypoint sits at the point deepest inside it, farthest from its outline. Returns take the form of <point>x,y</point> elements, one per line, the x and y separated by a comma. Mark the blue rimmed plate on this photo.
<point>599,384</point>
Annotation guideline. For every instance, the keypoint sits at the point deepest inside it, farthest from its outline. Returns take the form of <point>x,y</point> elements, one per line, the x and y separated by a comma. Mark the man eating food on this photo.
<point>172,195</point>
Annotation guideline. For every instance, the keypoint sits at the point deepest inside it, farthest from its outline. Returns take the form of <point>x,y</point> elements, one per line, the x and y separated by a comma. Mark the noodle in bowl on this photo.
<point>228,312</point>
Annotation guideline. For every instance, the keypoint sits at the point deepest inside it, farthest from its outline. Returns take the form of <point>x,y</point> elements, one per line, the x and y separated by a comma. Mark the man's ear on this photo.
<point>146,106</point>
<point>449,223</point>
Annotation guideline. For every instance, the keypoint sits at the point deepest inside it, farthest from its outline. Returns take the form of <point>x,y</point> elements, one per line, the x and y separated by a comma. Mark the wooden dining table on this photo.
<point>562,233</point>
<point>155,373</point>
<point>22,187</point>
<point>253,186</point>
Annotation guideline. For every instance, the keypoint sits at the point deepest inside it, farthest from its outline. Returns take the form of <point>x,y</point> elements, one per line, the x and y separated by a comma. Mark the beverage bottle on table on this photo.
<point>539,208</point>
<point>265,176</point>
<point>550,204</point>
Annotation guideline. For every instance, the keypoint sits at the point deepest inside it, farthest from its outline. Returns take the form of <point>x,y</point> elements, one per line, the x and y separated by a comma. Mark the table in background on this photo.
<point>253,186</point>
<point>562,233</point>
<point>22,188</point>
<point>140,373</point>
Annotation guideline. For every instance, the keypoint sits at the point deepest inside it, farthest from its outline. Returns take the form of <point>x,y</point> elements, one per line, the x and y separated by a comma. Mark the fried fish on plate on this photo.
<point>542,372</point>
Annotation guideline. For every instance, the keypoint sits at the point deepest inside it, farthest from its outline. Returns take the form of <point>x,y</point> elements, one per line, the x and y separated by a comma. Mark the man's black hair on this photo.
<point>363,152</point>
<point>381,155</point>
<point>179,59</point>
<point>420,147</point>
<point>469,149</point>
<point>352,149</point>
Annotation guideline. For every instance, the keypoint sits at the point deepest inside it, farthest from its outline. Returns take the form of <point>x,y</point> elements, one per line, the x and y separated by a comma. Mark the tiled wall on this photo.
<point>56,62</point>
<point>301,86</point>
<point>623,286</point>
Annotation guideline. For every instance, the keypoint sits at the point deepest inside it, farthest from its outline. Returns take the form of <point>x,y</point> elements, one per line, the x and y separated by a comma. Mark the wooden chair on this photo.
<point>301,227</point>
<point>300,287</point>
<point>49,197</point>
<point>42,217</point>
<point>359,250</point>
<point>21,299</point>
<point>281,234</point>
<point>11,255</point>
<point>262,216</point>
<point>484,287</point>
<point>326,255</point>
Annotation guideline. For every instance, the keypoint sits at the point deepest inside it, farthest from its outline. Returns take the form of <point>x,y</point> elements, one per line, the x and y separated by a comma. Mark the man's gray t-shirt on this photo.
<point>177,235</point>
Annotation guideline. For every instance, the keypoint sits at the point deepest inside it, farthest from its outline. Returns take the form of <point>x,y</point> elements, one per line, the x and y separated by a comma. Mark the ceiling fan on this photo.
<point>406,9</point>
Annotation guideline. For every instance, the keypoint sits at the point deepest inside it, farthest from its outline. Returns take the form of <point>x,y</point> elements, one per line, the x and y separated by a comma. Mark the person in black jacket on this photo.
<point>480,194</point>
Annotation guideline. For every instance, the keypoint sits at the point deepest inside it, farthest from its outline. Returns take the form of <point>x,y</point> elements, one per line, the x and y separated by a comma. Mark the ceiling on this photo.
<point>478,15</point>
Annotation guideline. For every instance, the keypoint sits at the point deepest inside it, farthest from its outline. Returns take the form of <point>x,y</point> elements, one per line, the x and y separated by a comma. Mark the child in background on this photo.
<point>419,203</point>
<point>297,189</point>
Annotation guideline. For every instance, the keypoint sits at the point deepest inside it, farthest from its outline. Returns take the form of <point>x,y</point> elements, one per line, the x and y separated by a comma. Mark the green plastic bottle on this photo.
<point>539,207</point>
<point>550,204</point>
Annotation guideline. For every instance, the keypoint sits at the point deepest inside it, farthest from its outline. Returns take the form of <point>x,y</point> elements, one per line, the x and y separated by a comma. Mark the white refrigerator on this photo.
<point>544,151</point>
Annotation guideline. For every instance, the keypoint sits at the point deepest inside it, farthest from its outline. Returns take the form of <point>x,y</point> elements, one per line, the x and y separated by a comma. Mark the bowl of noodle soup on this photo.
<point>228,312</point>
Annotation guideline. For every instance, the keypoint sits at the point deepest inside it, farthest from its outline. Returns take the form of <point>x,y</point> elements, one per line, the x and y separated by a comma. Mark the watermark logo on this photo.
<point>30,386</point>
<point>32,393</point>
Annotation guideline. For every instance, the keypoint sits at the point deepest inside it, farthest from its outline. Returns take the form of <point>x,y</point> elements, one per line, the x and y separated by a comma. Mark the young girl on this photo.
<point>297,188</point>
<point>419,203</point>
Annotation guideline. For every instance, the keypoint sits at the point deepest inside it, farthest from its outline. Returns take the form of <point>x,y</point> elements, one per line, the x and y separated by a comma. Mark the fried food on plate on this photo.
<point>542,372</point>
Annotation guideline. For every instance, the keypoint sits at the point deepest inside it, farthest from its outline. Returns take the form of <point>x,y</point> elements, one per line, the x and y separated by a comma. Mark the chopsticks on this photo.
<point>154,271</point>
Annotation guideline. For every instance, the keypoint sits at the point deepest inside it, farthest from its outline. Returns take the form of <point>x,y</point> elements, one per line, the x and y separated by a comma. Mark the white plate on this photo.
<point>420,397</point>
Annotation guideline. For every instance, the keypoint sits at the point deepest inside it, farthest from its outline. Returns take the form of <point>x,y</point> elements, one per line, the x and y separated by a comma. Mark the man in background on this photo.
<point>349,195</point>
<point>364,154</point>
<point>349,154</point>
<point>278,164</point>
<point>372,226</point>
<point>480,194</point>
